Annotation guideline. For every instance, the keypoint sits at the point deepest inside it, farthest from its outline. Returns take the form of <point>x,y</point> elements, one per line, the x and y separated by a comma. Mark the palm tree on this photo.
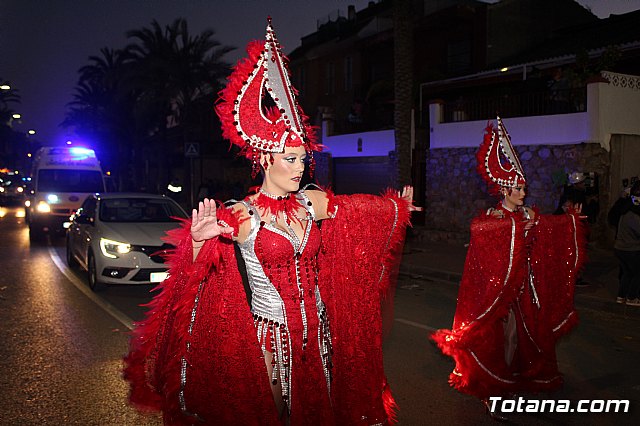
<point>125,98</point>
<point>403,87</point>
<point>102,108</point>
<point>174,69</point>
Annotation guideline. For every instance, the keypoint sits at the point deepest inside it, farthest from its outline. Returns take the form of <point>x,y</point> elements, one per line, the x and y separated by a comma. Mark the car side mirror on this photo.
<point>84,220</point>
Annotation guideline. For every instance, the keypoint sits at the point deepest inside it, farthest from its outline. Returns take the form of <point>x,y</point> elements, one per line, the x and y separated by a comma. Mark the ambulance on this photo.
<point>61,179</point>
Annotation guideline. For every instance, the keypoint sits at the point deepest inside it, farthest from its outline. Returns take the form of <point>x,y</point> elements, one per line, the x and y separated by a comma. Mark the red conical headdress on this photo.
<point>498,162</point>
<point>247,120</point>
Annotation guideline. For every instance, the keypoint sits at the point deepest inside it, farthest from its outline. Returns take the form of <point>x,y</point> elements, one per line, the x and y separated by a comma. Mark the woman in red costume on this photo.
<point>516,295</point>
<point>301,342</point>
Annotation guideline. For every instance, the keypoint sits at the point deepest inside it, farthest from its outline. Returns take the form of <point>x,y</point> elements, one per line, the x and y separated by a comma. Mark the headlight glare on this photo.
<point>43,207</point>
<point>112,249</point>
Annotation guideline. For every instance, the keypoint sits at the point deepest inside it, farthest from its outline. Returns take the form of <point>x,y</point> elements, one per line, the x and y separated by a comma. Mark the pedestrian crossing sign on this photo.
<point>191,149</point>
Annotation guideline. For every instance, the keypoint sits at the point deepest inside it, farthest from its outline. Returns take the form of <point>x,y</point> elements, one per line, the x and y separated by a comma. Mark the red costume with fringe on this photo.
<point>316,300</point>
<point>516,296</point>
<point>496,279</point>
<point>196,356</point>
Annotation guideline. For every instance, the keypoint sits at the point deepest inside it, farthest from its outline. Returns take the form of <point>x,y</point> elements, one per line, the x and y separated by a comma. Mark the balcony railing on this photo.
<point>516,105</point>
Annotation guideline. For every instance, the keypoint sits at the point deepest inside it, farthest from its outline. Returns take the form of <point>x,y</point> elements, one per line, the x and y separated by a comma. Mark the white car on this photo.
<point>117,237</point>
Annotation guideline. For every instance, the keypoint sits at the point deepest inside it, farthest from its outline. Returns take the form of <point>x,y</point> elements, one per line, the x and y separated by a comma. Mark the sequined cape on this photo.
<point>496,280</point>
<point>358,262</point>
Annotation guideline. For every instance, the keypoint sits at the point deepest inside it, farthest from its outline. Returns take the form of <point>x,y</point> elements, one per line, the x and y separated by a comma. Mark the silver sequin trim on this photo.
<point>563,322</point>
<point>506,278</point>
<point>184,363</point>
<point>487,370</point>
<point>546,381</point>
<point>575,239</point>
<point>266,300</point>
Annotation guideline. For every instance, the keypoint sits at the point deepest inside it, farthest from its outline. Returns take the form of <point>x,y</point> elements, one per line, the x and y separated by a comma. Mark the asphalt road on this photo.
<point>61,347</point>
<point>59,352</point>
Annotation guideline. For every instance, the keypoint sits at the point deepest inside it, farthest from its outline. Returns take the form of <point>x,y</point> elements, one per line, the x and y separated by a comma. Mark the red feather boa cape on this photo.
<point>227,381</point>
<point>495,280</point>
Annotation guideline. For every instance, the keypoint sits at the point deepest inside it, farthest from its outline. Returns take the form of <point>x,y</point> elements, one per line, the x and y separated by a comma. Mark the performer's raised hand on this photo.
<point>204,223</point>
<point>407,195</point>
<point>577,210</point>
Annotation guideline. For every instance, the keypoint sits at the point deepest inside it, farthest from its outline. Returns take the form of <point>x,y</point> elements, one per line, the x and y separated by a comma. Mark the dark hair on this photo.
<point>635,189</point>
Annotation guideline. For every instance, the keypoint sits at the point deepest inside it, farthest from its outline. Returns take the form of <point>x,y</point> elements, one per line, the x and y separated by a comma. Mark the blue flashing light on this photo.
<point>79,151</point>
<point>52,198</point>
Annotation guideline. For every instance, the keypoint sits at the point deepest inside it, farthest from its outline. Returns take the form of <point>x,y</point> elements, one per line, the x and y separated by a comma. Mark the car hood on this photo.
<point>144,234</point>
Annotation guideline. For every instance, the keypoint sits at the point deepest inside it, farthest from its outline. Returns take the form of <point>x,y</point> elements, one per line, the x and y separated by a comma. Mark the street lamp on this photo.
<point>5,87</point>
<point>16,116</point>
<point>32,132</point>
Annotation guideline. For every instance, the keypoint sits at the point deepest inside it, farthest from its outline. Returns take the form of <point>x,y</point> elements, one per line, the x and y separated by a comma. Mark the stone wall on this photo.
<point>455,193</point>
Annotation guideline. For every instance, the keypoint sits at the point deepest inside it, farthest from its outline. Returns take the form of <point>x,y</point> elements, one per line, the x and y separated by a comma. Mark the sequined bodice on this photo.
<point>281,267</point>
<point>288,312</point>
<point>278,258</point>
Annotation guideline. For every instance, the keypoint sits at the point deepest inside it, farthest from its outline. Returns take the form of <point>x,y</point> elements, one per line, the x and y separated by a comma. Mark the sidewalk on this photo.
<point>444,263</point>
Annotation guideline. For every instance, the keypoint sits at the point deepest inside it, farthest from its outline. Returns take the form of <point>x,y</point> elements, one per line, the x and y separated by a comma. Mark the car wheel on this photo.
<point>36,234</point>
<point>71,261</point>
<point>94,282</point>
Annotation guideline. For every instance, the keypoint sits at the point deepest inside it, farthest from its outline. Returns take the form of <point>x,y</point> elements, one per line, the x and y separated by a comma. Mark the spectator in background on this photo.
<point>627,249</point>
<point>576,192</point>
<point>613,218</point>
<point>620,206</point>
<point>574,197</point>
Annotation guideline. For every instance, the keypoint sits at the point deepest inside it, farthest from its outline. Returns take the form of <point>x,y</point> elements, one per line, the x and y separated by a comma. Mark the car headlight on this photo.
<point>43,207</point>
<point>112,249</point>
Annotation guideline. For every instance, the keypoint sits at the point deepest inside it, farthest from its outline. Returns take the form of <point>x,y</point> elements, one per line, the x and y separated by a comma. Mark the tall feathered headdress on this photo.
<point>498,162</point>
<point>258,107</point>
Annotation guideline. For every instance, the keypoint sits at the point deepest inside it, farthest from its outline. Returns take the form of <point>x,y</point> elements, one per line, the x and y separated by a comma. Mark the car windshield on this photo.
<point>50,180</point>
<point>139,210</point>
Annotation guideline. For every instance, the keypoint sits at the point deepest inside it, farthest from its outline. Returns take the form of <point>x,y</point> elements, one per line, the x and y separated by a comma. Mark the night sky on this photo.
<point>43,43</point>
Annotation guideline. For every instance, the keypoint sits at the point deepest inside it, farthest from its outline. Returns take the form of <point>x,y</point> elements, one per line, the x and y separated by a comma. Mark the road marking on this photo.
<point>108,307</point>
<point>416,324</point>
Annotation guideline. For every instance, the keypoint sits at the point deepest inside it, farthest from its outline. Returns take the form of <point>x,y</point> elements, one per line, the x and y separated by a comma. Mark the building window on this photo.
<point>348,73</point>
<point>459,56</point>
<point>329,78</point>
